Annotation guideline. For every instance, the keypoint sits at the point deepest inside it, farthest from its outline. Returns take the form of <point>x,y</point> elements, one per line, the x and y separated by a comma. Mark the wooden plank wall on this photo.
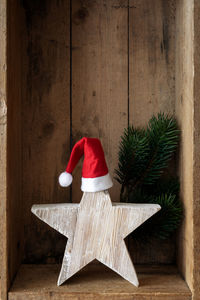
<point>151,88</point>
<point>88,71</point>
<point>46,120</point>
<point>3,143</point>
<point>151,59</point>
<point>99,78</point>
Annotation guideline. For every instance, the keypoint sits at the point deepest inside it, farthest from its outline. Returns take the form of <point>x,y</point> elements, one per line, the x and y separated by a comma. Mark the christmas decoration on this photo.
<point>95,228</point>
<point>95,176</point>
<point>144,155</point>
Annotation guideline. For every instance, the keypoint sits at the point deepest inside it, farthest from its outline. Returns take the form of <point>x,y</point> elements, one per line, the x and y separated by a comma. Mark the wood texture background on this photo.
<point>196,141</point>
<point>88,71</point>
<point>46,119</point>
<point>89,68</point>
<point>14,138</point>
<point>187,111</point>
<point>99,78</point>
<point>185,116</point>
<point>3,153</point>
<point>151,59</point>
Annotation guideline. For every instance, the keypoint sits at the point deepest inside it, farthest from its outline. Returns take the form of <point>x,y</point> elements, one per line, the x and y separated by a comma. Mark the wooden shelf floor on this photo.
<point>95,281</point>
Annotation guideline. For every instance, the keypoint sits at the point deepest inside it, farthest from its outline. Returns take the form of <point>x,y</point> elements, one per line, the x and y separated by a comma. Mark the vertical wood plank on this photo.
<point>46,119</point>
<point>187,109</point>
<point>151,57</point>
<point>99,78</point>
<point>184,113</point>
<point>3,144</point>
<point>196,173</point>
<point>151,87</point>
<point>14,151</point>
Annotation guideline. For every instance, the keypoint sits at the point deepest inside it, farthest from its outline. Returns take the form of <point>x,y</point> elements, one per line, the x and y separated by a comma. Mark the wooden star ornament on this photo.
<point>96,229</point>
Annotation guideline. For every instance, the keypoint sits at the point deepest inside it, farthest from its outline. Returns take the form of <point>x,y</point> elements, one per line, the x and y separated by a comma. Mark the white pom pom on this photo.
<point>65,179</point>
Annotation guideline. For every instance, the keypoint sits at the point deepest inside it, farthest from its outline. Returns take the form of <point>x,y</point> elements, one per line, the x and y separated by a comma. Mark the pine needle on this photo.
<point>144,155</point>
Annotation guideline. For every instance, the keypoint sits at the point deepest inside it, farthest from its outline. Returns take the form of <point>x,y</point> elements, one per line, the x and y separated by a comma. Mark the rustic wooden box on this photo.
<point>84,67</point>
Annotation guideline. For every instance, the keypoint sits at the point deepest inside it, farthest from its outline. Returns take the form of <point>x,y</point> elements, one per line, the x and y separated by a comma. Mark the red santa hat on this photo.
<point>95,176</point>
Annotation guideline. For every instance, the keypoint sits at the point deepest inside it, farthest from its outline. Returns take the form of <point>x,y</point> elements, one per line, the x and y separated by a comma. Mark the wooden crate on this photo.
<point>71,68</point>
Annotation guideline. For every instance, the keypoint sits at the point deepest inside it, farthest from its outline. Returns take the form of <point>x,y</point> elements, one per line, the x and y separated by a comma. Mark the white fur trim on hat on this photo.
<point>96,184</point>
<point>65,179</point>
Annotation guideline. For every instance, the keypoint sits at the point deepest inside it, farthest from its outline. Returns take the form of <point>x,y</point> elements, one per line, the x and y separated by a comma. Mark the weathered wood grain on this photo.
<point>99,78</point>
<point>14,145</point>
<point>3,153</point>
<point>196,173</point>
<point>46,117</point>
<point>185,116</point>
<point>44,85</point>
<point>151,59</point>
<point>187,110</point>
<point>151,87</point>
<point>96,229</point>
<point>96,282</point>
<point>153,251</point>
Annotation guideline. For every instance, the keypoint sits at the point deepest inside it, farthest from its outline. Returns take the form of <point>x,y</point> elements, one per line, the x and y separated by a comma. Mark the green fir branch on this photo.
<point>163,223</point>
<point>144,155</point>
